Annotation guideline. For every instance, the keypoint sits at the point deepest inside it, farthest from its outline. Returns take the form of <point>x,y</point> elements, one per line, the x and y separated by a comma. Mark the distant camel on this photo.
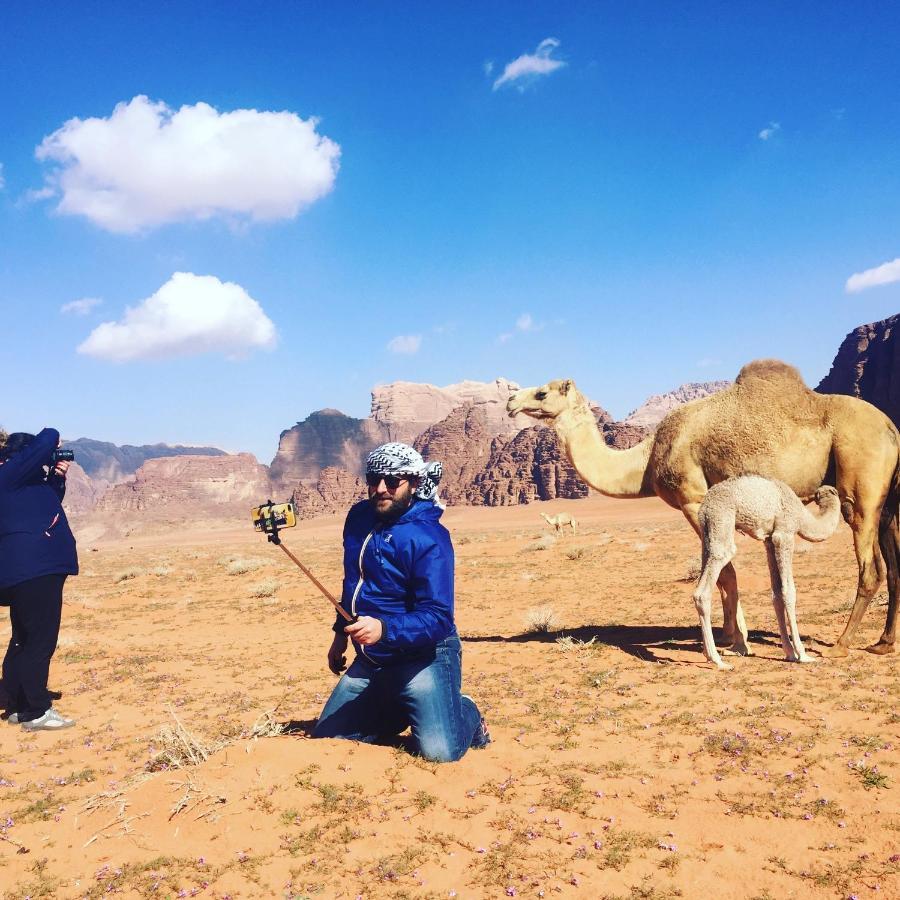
<point>768,511</point>
<point>769,423</point>
<point>561,519</point>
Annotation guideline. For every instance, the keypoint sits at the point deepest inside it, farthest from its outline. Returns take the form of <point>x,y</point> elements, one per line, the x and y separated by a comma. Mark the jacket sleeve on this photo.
<point>431,584</point>
<point>25,464</point>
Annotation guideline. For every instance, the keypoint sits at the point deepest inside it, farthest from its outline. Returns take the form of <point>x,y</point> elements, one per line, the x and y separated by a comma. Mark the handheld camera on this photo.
<point>61,455</point>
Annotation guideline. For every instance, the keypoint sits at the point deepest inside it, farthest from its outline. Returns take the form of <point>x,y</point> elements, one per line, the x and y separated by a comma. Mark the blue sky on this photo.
<point>649,195</point>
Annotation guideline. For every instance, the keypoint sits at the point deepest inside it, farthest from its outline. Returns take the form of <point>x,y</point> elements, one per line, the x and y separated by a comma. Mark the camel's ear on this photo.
<point>566,386</point>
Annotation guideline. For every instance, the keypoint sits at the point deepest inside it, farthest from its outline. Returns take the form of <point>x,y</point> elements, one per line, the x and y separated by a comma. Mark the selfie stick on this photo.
<point>270,527</point>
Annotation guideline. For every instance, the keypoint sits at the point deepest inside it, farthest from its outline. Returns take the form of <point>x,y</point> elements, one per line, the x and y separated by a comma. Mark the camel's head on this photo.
<point>827,497</point>
<point>544,402</point>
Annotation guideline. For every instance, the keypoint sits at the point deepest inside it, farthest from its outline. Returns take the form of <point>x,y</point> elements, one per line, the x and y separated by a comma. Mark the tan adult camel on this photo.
<point>767,423</point>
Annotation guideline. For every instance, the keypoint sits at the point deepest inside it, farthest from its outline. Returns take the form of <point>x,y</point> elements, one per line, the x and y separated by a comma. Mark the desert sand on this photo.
<point>622,765</point>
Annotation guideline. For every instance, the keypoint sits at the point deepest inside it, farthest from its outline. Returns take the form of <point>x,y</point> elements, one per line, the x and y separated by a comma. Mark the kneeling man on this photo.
<point>398,581</point>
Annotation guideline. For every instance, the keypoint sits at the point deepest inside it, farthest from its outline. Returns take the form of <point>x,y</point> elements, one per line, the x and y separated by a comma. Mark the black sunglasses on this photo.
<point>391,482</point>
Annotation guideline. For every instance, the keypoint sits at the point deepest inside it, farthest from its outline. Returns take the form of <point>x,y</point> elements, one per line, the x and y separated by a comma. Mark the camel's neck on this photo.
<point>616,473</point>
<point>818,524</point>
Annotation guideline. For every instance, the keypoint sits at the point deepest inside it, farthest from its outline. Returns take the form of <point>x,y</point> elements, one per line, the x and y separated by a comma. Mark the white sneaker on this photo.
<point>49,721</point>
<point>13,719</point>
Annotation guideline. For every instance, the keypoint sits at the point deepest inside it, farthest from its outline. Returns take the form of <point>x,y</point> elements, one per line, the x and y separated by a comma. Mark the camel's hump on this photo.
<point>770,370</point>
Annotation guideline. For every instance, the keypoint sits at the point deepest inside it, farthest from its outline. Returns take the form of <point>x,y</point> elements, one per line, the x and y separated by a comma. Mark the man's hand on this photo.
<point>365,630</point>
<point>60,468</point>
<point>337,662</point>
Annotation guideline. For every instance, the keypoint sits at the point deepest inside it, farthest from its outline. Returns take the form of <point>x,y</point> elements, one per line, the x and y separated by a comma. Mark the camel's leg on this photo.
<point>703,601</point>
<point>864,533</point>
<point>734,626</point>
<point>889,538</point>
<point>778,600</point>
<point>784,554</point>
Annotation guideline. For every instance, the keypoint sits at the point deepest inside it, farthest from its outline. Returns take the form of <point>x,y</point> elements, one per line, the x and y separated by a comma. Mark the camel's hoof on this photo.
<point>724,667</point>
<point>882,648</point>
<point>737,650</point>
<point>836,651</point>
<point>805,659</point>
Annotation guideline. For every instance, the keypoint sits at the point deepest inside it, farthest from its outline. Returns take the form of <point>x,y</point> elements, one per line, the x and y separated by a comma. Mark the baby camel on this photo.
<point>561,519</point>
<point>768,511</point>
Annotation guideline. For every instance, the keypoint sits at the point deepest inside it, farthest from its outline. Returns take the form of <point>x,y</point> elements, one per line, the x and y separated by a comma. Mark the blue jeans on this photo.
<point>374,704</point>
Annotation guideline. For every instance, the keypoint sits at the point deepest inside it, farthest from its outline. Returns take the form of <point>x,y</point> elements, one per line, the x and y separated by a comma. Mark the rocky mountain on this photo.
<point>462,442</point>
<point>335,491</point>
<point>867,365</point>
<point>105,461</point>
<point>650,413</point>
<point>82,491</point>
<point>191,485</point>
<point>529,467</point>
<point>326,438</point>
<point>408,408</point>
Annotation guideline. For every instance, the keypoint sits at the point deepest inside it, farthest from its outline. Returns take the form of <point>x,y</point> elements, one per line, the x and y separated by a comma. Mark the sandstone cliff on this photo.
<point>655,408</point>
<point>529,467</point>
<point>325,438</point>
<point>407,408</point>
<point>867,365</point>
<point>462,443</point>
<point>192,484</point>
<point>335,491</point>
<point>106,461</point>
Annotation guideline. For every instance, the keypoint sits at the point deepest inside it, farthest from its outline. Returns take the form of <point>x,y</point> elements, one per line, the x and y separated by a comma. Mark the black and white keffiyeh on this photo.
<point>401,459</point>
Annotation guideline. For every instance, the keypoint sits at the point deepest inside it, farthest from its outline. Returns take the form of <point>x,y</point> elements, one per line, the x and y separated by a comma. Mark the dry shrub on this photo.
<point>241,566</point>
<point>545,542</point>
<point>576,553</point>
<point>541,620</point>
<point>692,573</point>
<point>265,588</point>
<point>178,748</point>
<point>126,575</point>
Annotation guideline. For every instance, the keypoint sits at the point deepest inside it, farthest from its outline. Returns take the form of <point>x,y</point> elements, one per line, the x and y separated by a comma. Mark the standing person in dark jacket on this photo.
<point>398,581</point>
<point>37,552</point>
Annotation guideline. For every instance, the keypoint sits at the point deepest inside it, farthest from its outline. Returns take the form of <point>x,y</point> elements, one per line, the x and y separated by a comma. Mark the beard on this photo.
<point>389,510</point>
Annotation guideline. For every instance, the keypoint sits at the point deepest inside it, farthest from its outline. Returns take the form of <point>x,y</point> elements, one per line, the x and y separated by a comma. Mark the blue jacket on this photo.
<point>31,544</point>
<point>402,574</point>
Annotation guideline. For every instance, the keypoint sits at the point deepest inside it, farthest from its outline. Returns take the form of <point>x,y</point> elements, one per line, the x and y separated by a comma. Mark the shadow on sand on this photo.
<point>639,641</point>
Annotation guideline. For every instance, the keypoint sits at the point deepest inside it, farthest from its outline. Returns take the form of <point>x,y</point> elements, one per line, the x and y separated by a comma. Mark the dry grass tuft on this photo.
<point>544,542</point>
<point>692,572</point>
<point>541,620</point>
<point>265,588</point>
<point>178,748</point>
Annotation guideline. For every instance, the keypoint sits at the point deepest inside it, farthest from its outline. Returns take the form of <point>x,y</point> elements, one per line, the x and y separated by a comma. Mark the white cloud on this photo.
<point>769,131</point>
<point>188,315</point>
<point>886,273</point>
<point>488,67</point>
<point>147,165</point>
<point>529,66</point>
<point>80,307</point>
<point>525,322</point>
<point>405,343</point>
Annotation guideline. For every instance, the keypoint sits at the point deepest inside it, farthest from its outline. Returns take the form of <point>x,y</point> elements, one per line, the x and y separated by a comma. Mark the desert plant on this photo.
<point>242,566</point>
<point>126,575</point>
<point>541,620</point>
<point>545,542</point>
<point>265,588</point>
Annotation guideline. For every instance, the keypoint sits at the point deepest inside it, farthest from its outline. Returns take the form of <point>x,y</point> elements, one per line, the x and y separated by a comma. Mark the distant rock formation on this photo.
<point>462,443</point>
<point>335,491</point>
<point>623,435</point>
<point>408,408</point>
<point>82,491</point>
<point>529,467</point>
<point>326,438</point>
<point>108,462</point>
<point>650,413</point>
<point>867,365</point>
<point>192,484</point>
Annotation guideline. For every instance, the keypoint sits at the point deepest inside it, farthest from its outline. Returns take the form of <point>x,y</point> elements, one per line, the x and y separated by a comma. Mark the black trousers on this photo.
<point>35,610</point>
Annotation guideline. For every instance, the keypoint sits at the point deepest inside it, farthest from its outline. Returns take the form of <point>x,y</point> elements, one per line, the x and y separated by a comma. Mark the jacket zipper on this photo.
<point>359,585</point>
